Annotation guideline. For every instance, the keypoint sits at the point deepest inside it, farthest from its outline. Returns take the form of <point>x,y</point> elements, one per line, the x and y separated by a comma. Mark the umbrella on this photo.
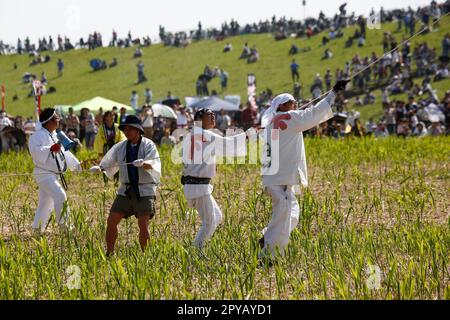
<point>444,59</point>
<point>171,102</point>
<point>160,110</point>
<point>215,104</point>
<point>95,104</point>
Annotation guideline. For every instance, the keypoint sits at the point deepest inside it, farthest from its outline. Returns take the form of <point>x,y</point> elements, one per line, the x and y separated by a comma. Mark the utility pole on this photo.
<point>304,10</point>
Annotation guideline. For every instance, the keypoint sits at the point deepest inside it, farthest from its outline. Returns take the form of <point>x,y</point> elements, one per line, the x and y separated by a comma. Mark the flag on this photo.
<point>3,98</point>
<point>37,87</point>
<point>251,85</point>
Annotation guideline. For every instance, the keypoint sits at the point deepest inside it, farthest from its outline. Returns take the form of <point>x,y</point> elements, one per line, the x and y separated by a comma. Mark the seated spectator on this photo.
<point>338,132</point>
<point>396,86</point>
<point>44,80</point>
<point>358,101</point>
<point>5,121</point>
<point>246,52</point>
<point>435,129</point>
<point>327,54</point>
<point>228,47</point>
<point>420,130</point>
<point>254,56</point>
<point>297,90</point>
<point>113,63</point>
<point>370,127</point>
<point>369,98</point>
<point>442,73</point>
<point>293,50</point>
<point>349,43</point>
<point>51,90</point>
<point>168,139</point>
<point>403,129</point>
<point>97,64</point>
<point>361,41</point>
<point>138,53</point>
<point>381,131</point>
<point>281,35</point>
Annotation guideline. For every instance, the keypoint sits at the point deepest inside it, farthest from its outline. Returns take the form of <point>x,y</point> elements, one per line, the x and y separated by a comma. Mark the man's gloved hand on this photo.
<point>138,163</point>
<point>55,148</point>
<point>95,169</point>
<point>340,85</point>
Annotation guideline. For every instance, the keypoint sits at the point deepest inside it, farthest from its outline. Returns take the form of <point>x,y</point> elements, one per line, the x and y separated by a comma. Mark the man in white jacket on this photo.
<point>200,148</point>
<point>139,166</point>
<point>50,159</point>
<point>284,163</point>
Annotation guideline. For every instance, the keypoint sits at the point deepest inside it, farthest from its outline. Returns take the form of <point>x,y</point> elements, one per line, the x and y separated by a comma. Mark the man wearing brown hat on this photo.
<point>137,161</point>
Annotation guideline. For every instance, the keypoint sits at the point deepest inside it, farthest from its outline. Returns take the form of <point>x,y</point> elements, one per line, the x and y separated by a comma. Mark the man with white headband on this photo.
<point>200,148</point>
<point>284,162</point>
<point>50,159</point>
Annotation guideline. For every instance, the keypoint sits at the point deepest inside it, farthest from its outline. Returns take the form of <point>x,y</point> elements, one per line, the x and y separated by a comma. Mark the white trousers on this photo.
<point>211,217</point>
<point>285,215</point>
<point>51,196</point>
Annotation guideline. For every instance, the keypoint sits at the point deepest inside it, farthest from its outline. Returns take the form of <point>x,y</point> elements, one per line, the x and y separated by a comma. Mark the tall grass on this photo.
<point>380,203</point>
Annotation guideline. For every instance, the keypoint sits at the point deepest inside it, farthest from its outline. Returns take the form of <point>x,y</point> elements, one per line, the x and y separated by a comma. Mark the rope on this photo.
<point>376,61</point>
<point>8,175</point>
<point>301,107</point>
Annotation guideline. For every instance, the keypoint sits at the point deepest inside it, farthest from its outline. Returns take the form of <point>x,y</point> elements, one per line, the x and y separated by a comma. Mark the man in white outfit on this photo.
<point>199,158</point>
<point>50,159</point>
<point>285,168</point>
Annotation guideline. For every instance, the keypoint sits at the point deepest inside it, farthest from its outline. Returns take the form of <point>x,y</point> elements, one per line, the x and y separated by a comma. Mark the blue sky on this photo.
<point>78,18</point>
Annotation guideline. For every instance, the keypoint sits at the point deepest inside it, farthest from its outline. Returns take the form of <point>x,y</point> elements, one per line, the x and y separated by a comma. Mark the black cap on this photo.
<point>199,114</point>
<point>132,121</point>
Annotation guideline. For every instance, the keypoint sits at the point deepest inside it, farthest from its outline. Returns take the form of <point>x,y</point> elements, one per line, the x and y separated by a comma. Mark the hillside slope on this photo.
<point>176,69</point>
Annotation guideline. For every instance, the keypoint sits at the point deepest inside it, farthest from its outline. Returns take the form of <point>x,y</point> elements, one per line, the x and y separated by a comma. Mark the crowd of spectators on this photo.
<point>280,27</point>
<point>424,113</point>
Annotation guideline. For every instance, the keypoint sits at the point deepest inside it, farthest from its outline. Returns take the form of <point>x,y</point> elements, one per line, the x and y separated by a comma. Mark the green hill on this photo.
<point>176,69</point>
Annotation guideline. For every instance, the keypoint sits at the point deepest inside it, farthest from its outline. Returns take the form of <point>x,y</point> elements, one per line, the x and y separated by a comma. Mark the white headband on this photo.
<point>43,122</point>
<point>276,102</point>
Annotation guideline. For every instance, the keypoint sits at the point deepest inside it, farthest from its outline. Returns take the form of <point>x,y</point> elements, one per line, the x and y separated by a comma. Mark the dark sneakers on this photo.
<point>261,242</point>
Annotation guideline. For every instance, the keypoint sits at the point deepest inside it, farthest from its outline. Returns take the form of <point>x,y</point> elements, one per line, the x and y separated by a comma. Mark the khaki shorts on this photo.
<point>131,206</point>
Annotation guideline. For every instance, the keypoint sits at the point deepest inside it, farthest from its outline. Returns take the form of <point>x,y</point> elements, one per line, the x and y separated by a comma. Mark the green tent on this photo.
<point>95,104</point>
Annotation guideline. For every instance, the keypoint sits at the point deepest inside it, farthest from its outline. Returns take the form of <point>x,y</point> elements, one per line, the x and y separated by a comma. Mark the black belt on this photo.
<point>194,180</point>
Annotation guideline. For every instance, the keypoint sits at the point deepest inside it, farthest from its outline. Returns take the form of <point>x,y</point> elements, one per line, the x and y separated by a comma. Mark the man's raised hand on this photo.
<point>55,148</point>
<point>95,169</point>
<point>340,85</point>
<point>138,163</point>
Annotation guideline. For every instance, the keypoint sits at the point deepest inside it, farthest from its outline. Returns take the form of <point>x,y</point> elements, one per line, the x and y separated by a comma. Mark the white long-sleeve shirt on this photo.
<point>284,159</point>
<point>200,149</point>
<point>114,161</point>
<point>5,122</point>
<point>39,146</point>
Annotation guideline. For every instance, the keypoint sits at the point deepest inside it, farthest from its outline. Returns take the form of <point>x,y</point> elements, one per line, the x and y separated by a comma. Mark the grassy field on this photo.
<point>176,69</point>
<point>372,205</point>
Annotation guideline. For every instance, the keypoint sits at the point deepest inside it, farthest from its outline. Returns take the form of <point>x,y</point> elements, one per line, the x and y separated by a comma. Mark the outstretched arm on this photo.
<point>302,120</point>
